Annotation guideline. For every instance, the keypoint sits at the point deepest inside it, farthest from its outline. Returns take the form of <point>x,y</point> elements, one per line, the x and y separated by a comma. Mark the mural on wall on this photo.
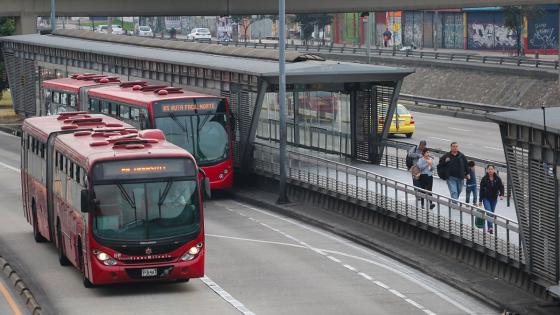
<point>453,30</point>
<point>487,31</point>
<point>412,28</point>
<point>543,33</point>
<point>394,25</point>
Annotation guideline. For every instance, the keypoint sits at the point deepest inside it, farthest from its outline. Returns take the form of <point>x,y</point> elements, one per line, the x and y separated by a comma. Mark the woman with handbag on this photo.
<point>426,179</point>
<point>491,187</point>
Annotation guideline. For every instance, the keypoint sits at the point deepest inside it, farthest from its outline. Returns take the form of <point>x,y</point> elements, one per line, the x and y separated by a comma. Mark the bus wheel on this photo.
<point>36,234</point>
<point>408,135</point>
<point>61,255</point>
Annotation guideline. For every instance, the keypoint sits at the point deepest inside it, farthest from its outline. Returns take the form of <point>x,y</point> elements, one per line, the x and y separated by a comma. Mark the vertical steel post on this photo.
<point>53,15</point>
<point>559,47</point>
<point>368,38</point>
<point>435,25</point>
<point>283,197</point>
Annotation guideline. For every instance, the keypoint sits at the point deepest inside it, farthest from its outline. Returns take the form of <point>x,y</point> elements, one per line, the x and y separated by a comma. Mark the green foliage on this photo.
<point>514,15</point>
<point>309,21</point>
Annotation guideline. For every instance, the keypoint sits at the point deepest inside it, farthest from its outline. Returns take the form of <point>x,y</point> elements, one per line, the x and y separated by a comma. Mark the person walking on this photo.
<point>471,184</point>
<point>491,187</point>
<point>426,166</point>
<point>412,159</point>
<point>454,168</point>
<point>387,37</point>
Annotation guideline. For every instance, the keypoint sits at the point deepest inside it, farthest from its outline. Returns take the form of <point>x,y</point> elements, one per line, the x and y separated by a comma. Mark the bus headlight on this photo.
<point>192,252</point>
<point>105,258</point>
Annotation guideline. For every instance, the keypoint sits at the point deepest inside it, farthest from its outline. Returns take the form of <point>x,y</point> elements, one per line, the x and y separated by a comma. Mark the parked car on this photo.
<point>406,124</point>
<point>145,31</point>
<point>117,30</point>
<point>200,34</point>
<point>102,28</point>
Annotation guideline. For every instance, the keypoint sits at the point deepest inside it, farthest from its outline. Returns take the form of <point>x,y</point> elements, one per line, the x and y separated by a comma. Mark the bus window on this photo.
<point>73,100</point>
<point>105,107</point>
<point>63,98</point>
<point>135,114</point>
<point>113,109</point>
<point>94,106</point>
<point>124,112</point>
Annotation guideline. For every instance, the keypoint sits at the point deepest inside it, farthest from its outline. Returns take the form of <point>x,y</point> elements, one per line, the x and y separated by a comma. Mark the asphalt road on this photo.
<point>257,263</point>
<point>475,138</point>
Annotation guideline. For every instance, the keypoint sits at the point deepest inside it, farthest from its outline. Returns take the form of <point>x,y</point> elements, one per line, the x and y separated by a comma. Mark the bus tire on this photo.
<point>62,259</point>
<point>409,135</point>
<point>36,234</point>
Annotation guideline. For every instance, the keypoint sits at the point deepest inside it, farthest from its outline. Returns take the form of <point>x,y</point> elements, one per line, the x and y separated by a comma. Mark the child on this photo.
<point>471,183</point>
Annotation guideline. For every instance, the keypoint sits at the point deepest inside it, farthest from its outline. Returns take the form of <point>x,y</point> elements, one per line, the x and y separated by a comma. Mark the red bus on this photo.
<point>121,205</point>
<point>198,123</point>
<point>63,95</point>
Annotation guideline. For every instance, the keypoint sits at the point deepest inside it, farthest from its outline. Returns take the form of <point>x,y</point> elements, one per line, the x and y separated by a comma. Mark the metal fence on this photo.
<point>418,54</point>
<point>452,218</point>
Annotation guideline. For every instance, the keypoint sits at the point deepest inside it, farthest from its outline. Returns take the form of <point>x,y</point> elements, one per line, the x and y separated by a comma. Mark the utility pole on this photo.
<point>283,197</point>
<point>53,16</point>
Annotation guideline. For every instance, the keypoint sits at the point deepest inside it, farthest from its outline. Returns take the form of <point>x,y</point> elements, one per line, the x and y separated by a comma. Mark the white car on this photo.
<point>200,34</point>
<point>117,30</point>
<point>145,31</point>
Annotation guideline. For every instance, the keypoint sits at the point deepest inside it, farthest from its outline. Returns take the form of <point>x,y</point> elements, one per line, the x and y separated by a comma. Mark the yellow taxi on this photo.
<point>402,123</point>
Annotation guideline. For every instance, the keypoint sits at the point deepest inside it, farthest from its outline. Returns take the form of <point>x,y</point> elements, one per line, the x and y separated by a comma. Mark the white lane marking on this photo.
<point>493,148</point>
<point>349,267</point>
<point>226,296</point>
<point>15,169</point>
<point>387,261</point>
<point>336,260</point>
<point>397,293</point>
<point>442,139</point>
<point>414,303</point>
<point>365,276</point>
<point>458,129</point>
<point>253,240</point>
<point>429,312</point>
<point>381,284</point>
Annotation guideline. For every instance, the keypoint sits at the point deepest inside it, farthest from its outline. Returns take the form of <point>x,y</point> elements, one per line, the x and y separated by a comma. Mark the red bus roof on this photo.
<point>141,98</point>
<point>87,147</point>
<point>41,127</point>
<point>74,84</point>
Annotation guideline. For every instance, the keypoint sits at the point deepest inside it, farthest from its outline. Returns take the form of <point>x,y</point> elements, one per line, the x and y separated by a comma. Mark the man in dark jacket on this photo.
<point>457,170</point>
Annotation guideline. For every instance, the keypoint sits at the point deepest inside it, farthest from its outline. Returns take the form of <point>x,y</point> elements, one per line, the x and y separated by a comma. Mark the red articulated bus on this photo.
<point>63,95</point>
<point>121,205</point>
<point>198,123</point>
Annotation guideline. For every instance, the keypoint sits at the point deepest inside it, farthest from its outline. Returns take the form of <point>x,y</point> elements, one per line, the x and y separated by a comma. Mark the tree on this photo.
<point>7,28</point>
<point>308,22</point>
<point>245,21</point>
<point>514,15</point>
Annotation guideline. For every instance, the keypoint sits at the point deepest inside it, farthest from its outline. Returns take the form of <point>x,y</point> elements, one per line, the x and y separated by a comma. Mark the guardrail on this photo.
<point>438,102</point>
<point>418,54</point>
<point>451,218</point>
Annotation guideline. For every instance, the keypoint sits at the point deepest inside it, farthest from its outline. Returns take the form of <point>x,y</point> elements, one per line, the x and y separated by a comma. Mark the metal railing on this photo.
<point>419,54</point>
<point>323,140</point>
<point>439,102</point>
<point>452,218</point>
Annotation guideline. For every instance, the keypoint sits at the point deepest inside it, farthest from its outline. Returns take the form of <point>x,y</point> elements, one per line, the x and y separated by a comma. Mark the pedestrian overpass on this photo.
<point>322,165</point>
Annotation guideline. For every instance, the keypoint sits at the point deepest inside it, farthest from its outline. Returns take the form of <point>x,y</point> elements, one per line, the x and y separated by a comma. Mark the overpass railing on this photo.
<point>520,61</point>
<point>453,219</point>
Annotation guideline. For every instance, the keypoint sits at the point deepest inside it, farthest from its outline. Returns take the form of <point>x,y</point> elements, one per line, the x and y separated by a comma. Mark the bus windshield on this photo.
<point>146,211</point>
<point>145,199</point>
<point>200,128</point>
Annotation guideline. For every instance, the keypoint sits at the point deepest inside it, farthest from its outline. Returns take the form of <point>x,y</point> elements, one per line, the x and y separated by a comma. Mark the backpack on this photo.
<point>442,171</point>
<point>409,161</point>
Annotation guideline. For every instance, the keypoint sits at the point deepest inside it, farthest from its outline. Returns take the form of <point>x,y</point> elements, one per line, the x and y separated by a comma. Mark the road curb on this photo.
<point>21,288</point>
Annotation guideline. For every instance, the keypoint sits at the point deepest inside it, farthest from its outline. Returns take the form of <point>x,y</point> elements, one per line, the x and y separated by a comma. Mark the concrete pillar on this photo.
<point>26,24</point>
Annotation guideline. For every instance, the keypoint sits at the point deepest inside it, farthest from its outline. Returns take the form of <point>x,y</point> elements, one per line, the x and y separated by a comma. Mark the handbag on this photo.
<point>415,171</point>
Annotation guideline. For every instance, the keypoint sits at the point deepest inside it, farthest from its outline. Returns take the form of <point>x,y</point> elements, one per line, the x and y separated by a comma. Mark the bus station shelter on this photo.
<point>531,140</point>
<point>361,98</point>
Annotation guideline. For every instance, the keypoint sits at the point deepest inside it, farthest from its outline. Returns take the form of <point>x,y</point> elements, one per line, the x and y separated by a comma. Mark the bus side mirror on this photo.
<point>85,201</point>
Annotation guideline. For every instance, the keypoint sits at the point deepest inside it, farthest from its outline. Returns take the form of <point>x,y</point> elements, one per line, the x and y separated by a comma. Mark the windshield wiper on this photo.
<point>165,192</point>
<point>126,196</point>
<point>176,120</point>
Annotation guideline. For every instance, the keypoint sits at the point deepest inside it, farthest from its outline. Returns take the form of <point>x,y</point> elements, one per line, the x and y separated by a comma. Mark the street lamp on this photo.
<point>283,197</point>
<point>53,16</point>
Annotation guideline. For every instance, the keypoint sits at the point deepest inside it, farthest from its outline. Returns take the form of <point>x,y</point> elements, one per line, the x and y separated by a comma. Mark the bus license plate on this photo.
<point>150,272</point>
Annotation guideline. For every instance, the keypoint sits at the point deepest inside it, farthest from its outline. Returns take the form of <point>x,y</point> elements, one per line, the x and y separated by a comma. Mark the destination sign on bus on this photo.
<point>143,169</point>
<point>189,107</point>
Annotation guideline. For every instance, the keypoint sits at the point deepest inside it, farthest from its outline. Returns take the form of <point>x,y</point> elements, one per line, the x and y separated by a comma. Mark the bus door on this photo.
<point>49,183</point>
<point>83,102</point>
<point>24,174</point>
